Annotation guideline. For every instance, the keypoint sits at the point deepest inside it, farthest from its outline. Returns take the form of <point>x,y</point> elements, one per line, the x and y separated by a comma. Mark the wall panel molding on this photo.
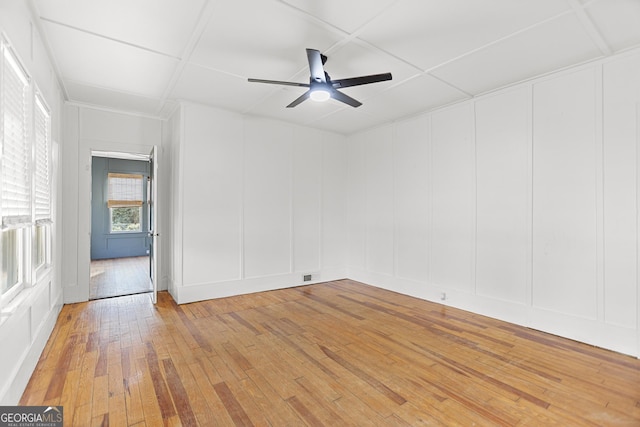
<point>548,208</point>
<point>252,214</point>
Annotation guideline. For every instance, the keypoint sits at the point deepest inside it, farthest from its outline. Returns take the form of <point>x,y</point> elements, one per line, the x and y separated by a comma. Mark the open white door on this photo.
<point>152,199</point>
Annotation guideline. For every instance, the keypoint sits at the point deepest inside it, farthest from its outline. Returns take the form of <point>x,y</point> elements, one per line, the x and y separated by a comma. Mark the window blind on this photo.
<point>41,129</point>
<point>16,153</point>
<point>124,190</point>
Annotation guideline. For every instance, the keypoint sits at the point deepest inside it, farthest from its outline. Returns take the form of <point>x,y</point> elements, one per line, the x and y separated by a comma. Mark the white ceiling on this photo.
<point>142,56</point>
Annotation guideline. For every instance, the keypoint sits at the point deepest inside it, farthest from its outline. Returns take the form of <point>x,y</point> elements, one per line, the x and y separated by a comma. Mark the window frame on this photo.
<point>112,231</point>
<point>125,190</point>
<point>40,220</point>
<point>9,294</point>
<point>26,224</point>
<point>41,267</point>
<point>22,226</point>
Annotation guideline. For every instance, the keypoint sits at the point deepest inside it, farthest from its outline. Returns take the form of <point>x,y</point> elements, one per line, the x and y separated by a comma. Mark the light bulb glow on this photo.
<point>320,95</point>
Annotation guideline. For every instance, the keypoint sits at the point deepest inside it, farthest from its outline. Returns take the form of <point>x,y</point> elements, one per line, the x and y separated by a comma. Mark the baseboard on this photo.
<point>205,291</point>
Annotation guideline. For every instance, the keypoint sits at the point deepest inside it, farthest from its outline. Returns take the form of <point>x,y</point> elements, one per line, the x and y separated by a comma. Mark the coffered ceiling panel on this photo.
<point>429,32</point>
<point>159,25</point>
<point>258,38</point>
<point>345,15</point>
<point>522,56</point>
<point>421,93</point>
<point>93,60</point>
<point>145,56</point>
<point>92,95</point>
<point>618,21</point>
<point>218,89</point>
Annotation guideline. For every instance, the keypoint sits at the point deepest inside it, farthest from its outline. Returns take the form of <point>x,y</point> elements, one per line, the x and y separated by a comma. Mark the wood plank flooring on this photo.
<point>334,354</point>
<point>119,276</point>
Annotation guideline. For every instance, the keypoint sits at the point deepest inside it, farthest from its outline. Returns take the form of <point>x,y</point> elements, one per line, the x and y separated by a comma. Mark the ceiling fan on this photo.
<point>320,85</point>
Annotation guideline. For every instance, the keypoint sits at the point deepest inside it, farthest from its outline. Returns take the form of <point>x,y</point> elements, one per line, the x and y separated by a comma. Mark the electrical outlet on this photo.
<point>443,296</point>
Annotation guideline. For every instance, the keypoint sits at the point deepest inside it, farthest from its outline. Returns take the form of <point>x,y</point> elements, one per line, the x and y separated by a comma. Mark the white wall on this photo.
<point>27,321</point>
<point>521,204</point>
<point>257,204</point>
<point>86,130</point>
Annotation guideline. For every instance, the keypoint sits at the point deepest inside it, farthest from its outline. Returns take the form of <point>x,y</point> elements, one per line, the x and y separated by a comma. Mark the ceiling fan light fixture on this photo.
<point>320,95</point>
<point>320,85</point>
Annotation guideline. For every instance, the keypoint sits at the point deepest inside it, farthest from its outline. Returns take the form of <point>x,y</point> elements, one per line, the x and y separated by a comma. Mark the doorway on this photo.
<point>120,241</point>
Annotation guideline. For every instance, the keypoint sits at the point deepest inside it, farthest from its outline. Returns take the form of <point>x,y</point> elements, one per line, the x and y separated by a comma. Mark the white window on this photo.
<point>42,246</point>
<point>41,129</point>
<point>12,260</point>
<point>125,197</point>
<point>25,169</point>
<point>16,174</point>
<point>42,184</point>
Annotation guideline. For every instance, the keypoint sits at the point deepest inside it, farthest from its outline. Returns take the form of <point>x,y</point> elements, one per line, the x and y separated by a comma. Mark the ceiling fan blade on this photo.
<point>364,80</point>
<point>278,82</point>
<point>315,66</point>
<point>339,96</point>
<point>299,99</point>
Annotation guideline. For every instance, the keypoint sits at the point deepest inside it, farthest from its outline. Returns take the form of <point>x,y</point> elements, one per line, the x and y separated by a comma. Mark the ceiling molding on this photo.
<point>205,16</point>
<point>590,27</point>
<point>112,110</point>
<point>47,46</point>
<point>104,37</point>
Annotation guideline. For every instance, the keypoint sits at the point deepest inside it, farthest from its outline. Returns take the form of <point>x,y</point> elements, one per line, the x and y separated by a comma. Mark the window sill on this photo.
<point>13,306</point>
<point>42,273</point>
<point>22,297</point>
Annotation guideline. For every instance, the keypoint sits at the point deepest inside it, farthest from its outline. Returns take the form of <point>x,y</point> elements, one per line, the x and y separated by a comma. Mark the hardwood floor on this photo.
<point>119,276</point>
<point>338,353</point>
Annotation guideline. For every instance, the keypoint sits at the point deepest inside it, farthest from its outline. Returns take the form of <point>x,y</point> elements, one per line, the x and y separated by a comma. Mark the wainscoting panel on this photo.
<point>621,134</point>
<point>564,194</point>
<point>212,195</point>
<point>379,205</point>
<point>334,201</point>
<point>306,197</point>
<point>503,164</point>
<point>411,190</point>
<point>267,198</point>
<point>453,198</point>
